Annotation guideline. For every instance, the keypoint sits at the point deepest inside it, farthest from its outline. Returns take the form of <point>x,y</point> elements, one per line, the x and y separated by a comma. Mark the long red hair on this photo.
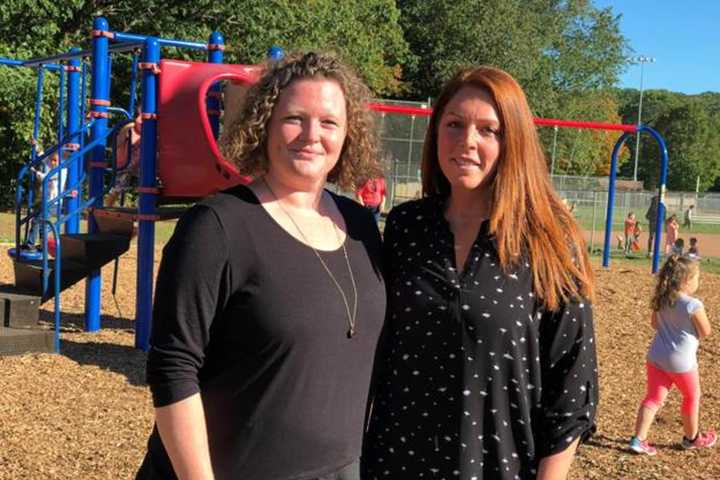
<point>527,216</point>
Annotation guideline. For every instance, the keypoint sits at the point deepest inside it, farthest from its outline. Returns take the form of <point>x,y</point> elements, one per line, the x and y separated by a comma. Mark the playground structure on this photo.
<point>179,160</point>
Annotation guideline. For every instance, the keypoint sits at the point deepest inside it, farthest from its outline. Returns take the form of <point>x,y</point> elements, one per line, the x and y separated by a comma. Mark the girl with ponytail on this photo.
<point>680,322</point>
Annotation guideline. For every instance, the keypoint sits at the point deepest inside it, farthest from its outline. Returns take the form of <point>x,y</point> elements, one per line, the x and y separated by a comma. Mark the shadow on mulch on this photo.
<point>621,444</point>
<point>602,441</point>
<point>125,360</point>
<point>122,359</point>
<point>75,322</point>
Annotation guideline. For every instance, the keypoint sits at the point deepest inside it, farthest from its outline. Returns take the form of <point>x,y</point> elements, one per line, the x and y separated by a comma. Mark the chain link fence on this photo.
<point>402,138</point>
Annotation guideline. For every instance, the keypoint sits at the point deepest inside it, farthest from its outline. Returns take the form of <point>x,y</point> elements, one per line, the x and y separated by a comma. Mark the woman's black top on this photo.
<point>474,379</point>
<point>246,315</point>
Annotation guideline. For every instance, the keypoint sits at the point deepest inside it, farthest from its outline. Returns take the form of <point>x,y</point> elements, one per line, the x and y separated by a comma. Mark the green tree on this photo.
<point>565,54</point>
<point>550,46</point>
<point>585,151</point>
<point>656,104</point>
<point>690,132</point>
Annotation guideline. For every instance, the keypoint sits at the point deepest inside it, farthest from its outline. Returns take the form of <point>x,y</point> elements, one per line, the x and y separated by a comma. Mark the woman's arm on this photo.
<point>184,435</point>
<point>557,466</point>
<point>569,387</point>
<point>187,299</point>
<point>654,320</point>
<point>702,323</point>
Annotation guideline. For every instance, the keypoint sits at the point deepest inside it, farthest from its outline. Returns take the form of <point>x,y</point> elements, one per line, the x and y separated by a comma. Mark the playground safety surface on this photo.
<point>86,413</point>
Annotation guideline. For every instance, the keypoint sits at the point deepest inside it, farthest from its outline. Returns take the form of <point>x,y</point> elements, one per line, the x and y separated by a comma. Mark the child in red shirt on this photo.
<point>630,224</point>
<point>372,196</point>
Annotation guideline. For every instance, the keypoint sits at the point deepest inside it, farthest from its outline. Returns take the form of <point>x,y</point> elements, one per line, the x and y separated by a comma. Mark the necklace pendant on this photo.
<point>350,332</point>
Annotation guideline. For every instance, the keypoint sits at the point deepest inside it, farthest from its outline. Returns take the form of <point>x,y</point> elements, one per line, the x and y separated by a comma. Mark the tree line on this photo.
<point>567,54</point>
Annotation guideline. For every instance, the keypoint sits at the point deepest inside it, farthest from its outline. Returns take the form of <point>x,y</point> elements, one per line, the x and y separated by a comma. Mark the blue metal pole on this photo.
<point>34,151</point>
<point>216,47</point>
<point>73,125</point>
<point>38,110</point>
<point>100,91</point>
<point>611,198</point>
<point>165,42</point>
<point>30,198</point>
<point>61,110</point>
<point>83,94</point>
<point>60,136</point>
<point>659,220</point>
<point>133,85</point>
<point>11,62</point>
<point>148,197</point>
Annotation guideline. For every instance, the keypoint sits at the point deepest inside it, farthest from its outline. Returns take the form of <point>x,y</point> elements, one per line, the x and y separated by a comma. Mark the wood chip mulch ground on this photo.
<point>86,414</point>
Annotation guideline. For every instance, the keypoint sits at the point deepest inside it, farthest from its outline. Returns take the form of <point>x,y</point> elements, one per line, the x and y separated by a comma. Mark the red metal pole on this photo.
<point>378,107</point>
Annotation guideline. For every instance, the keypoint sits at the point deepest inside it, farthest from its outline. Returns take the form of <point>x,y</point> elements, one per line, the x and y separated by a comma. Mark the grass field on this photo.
<point>163,230</point>
<point>711,265</point>
<point>584,216</point>
<point>7,227</point>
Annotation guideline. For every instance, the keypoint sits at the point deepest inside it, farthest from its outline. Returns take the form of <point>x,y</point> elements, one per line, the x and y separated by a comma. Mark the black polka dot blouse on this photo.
<point>474,380</point>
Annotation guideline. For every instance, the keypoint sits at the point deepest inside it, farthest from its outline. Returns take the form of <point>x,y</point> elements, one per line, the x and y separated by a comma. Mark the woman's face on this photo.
<point>306,131</point>
<point>468,139</point>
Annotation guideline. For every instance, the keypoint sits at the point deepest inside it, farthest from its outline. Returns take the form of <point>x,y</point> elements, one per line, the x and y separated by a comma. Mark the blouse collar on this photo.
<point>437,205</point>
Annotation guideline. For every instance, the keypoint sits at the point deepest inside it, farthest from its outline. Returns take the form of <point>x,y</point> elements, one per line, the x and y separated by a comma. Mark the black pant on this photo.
<point>375,210</point>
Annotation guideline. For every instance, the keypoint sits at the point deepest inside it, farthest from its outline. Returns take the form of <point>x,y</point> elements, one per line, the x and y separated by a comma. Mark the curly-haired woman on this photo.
<point>270,300</point>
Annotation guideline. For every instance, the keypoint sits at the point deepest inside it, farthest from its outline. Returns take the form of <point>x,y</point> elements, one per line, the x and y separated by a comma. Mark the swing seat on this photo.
<point>190,164</point>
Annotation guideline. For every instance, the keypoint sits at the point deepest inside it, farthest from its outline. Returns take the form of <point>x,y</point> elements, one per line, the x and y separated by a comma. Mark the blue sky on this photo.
<point>682,35</point>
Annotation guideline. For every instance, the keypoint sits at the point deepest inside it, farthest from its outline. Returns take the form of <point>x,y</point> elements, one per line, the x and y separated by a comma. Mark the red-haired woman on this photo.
<point>487,369</point>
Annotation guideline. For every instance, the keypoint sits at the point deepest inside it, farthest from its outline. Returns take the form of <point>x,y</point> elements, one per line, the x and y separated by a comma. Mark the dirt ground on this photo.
<point>708,243</point>
<point>86,414</point>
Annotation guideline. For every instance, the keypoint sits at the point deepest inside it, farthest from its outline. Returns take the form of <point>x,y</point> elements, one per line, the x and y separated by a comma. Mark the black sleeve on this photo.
<point>388,244</point>
<point>192,275</point>
<point>569,394</point>
<point>389,236</point>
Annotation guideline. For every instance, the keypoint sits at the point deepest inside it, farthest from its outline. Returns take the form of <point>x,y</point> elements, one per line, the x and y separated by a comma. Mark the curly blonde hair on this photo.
<point>245,142</point>
<point>676,271</point>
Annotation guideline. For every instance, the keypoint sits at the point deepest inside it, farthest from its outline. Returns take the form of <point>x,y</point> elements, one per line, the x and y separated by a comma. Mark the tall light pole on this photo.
<point>552,161</point>
<point>642,60</point>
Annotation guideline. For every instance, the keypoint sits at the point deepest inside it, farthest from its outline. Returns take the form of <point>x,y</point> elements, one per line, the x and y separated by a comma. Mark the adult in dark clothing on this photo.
<point>487,368</point>
<point>270,299</point>
<point>651,217</point>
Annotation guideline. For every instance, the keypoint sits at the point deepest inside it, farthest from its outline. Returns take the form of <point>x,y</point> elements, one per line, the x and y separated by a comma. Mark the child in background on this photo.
<point>636,237</point>
<point>55,184</point>
<point>672,229</point>
<point>680,321</point>
<point>128,159</point>
<point>693,250</point>
<point>678,247</point>
<point>687,223</point>
<point>371,195</point>
<point>630,224</point>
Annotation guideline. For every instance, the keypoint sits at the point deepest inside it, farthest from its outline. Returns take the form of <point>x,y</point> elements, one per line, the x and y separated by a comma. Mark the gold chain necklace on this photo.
<point>353,317</point>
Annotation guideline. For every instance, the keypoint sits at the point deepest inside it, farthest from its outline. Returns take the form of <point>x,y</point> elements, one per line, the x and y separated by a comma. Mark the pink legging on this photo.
<point>659,383</point>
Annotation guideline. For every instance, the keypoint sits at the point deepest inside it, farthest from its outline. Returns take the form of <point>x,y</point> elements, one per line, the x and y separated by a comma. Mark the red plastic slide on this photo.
<point>189,161</point>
